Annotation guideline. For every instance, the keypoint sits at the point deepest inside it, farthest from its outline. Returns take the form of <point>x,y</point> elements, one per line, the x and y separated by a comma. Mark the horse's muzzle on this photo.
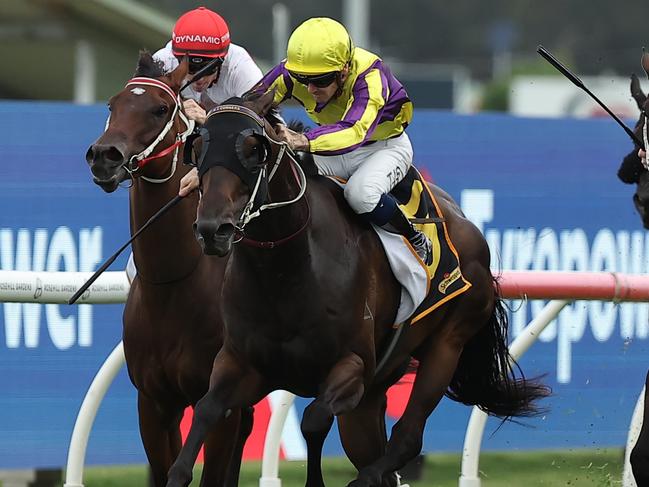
<point>214,238</point>
<point>107,166</point>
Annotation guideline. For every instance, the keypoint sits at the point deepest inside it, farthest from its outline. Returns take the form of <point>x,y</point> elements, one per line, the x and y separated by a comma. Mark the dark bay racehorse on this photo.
<point>172,320</point>
<point>309,301</point>
<point>631,170</point>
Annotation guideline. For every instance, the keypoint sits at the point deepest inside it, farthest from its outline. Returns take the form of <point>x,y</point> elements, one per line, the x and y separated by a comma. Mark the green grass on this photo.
<point>570,468</point>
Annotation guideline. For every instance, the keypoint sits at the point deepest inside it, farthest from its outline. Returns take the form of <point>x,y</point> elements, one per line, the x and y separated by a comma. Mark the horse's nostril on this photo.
<point>225,230</point>
<point>105,153</point>
<point>112,154</point>
<point>205,228</point>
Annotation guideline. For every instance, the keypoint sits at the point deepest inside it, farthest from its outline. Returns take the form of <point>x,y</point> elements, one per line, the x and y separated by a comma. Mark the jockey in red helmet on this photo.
<point>203,35</point>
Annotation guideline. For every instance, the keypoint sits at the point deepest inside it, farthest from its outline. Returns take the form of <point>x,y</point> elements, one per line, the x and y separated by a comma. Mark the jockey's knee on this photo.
<point>361,198</point>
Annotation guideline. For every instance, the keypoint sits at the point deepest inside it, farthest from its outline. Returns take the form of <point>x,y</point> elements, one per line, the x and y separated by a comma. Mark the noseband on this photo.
<point>137,161</point>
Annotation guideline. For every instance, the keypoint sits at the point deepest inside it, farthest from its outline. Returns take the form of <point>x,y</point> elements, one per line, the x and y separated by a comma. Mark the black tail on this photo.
<point>486,373</point>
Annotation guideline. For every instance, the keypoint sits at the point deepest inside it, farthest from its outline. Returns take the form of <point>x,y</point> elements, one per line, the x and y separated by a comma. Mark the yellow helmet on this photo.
<point>319,45</point>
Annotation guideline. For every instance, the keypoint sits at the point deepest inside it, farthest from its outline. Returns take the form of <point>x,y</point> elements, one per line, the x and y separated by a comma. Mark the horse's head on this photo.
<point>142,122</point>
<point>631,170</point>
<point>237,144</point>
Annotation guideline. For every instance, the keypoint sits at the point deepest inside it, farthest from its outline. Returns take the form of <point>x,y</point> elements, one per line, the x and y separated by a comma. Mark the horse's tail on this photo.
<point>486,372</point>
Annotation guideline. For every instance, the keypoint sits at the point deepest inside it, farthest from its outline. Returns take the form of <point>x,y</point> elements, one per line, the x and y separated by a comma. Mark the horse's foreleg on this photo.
<point>245,428</point>
<point>340,392</point>
<point>221,444</point>
<point>436,368</point>
<point>231,387</point>
<point>160,437</point>
<point>362,432</point>
<point>640,453</point>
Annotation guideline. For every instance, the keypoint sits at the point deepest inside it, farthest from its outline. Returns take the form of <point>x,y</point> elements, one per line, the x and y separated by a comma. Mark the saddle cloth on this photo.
<point>423,288</point>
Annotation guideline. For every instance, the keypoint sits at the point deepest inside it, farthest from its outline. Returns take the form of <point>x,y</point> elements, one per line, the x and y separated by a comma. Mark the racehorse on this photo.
<point>309,301</point>
<point>631,170</point>
<point>172,319</point>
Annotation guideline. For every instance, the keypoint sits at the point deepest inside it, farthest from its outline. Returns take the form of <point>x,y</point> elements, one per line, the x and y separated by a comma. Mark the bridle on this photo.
<point>249,212</point>
<point>137,161</point>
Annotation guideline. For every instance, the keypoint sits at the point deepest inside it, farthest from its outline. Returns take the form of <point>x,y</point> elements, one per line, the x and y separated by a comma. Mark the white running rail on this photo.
<point>112,287</point>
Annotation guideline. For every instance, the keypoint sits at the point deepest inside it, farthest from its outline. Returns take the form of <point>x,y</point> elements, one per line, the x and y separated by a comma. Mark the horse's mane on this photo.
<point>149,67</point>
<point>304,158</point>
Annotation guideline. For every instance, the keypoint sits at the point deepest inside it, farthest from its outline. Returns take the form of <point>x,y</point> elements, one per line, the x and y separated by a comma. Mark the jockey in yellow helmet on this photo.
<point>361,111</point>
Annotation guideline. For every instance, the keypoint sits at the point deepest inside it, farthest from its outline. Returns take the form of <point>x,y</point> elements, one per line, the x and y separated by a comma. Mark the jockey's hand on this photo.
<point>194,111</point>
<point>643,157</point>
<point>189,182</point>
<point>295,140</point>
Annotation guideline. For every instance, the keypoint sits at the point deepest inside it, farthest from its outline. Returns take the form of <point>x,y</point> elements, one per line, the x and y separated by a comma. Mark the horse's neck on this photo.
<point>168,250</point>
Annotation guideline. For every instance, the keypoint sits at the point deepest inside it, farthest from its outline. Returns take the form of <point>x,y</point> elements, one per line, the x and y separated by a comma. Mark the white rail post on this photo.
<point>634,431</point>
<point>270,462</point>
<point>87,414</point>
<point>475,429</point>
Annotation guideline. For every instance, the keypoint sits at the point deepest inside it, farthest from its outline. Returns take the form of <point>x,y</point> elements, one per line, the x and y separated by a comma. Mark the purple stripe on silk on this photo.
<point>393,105</point>
<point>270,77</point>
<point>361,97</point>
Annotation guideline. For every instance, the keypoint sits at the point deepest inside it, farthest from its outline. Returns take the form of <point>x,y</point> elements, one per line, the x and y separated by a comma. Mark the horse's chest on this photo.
<point>289,359</point>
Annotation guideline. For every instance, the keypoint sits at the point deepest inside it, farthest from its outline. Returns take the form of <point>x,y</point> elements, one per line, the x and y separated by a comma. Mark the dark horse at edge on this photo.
<point>309,301</point>
<point>172,321</point>
<point>632,171</point>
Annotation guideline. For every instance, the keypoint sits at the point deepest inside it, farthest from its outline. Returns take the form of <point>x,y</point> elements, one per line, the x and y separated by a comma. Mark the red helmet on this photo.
<point>200,32</point>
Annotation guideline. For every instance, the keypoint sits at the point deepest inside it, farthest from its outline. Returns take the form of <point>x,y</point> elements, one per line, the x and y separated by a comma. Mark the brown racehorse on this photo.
<point>172,320</point>
<point>309,301</point>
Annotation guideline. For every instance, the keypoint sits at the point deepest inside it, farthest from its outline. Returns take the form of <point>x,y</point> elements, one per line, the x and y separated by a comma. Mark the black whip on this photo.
<point>566,72</point>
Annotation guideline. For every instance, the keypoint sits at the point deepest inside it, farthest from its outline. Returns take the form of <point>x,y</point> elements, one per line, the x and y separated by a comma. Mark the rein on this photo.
<point>137,161</point>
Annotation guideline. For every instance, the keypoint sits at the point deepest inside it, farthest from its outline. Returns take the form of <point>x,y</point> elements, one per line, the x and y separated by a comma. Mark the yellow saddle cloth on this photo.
<point>445,279</point>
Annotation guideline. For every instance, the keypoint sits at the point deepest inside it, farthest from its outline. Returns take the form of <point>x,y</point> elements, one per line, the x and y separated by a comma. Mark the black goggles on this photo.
<point>320,80</point>
<point>196,63</point>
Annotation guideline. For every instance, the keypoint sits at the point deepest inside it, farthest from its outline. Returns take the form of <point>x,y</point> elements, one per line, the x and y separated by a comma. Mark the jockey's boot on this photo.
<point>422,245</point>
<point>389,217</point>
<point>399,223</point>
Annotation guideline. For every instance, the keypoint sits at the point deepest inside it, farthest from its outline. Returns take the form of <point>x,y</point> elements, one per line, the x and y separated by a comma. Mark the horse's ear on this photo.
<point>645,62</point>
<point>206,102</point>
<point>636,92</point>
<point>178,75</point>
<point>263,104</point>
<point>145,63</point>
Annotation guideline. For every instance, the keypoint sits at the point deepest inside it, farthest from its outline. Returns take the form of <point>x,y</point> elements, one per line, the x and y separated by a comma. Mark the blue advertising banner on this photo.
<point>544,193</point>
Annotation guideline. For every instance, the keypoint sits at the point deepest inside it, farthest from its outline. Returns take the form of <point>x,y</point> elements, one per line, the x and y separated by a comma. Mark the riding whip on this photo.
<point>579,83</point>
<point>108,262</point>
<point>199,74</point>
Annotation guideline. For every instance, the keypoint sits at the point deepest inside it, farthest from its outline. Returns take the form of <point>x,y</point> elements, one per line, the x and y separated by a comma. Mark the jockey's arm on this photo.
<point>643,157</point>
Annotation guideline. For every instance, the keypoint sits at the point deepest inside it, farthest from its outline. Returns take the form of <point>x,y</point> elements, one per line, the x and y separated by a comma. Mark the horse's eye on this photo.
<point>110,108</point>
<point>161,110</point>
